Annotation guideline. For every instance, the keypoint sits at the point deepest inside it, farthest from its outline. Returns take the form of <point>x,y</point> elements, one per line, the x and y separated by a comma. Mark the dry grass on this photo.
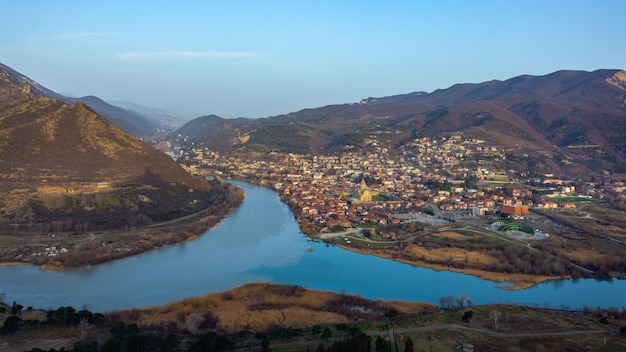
<point>259,307</point>
<point>610,230</point>
<point>518,281</point>
<point>583,255</point>
<point>450,235</point>
<point>449,253</point>
<point>522,320</point>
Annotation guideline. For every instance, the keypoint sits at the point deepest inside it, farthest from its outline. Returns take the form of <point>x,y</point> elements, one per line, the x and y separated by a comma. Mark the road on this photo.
<point>454,326</point>
<point>325,236</point>
<point>499,334</point>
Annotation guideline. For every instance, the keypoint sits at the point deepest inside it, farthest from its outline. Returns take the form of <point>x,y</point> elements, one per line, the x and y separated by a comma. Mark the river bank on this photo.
<point>260,242</point>
<point>404,252</point>
<point>513,281</point>
<point>296,318</point>
<point>70,250</point>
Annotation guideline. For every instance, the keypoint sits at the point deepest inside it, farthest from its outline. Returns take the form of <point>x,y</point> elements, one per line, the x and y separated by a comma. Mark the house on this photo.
<point>514,209</point>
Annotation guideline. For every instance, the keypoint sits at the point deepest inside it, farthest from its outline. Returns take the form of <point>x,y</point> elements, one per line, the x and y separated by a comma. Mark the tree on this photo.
<point>327,333</point>
<point>442,301</point>
<point>495,315</point>
<point>193,322</point>
<point>450,301</point>
<point>392,314</point>
<point>382,345</point>
<point>265,344</point>
<point>341,328</point>
<point>119,330</point>
<point>460,301</point>
<point>11,325</point>
<point>316,330</point>
<point>16,308</point>
<point>467,316</point>
<point>408,345</point>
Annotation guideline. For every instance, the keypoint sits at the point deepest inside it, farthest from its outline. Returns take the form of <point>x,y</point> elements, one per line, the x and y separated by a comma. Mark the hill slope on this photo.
<point>573,122</point>
<point>134,123</point>
<point>65,163</point>
<point>130,121</point>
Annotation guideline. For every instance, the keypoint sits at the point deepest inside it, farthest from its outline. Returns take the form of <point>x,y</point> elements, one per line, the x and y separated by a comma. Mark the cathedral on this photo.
<point>364,193</point>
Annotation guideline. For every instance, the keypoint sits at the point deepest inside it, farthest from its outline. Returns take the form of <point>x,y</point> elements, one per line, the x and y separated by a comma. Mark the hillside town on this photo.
<point>329,193</point>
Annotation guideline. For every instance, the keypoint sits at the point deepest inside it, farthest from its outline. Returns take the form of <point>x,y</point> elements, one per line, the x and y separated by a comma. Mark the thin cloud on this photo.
<point>165,55</point>
<point>87,35</point>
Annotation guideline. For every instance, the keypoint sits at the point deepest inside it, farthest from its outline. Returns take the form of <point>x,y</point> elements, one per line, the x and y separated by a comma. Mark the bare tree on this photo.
<point>450,301</point>
<point>389,315</point>
<point>495,315</point>
<point>193,322</point>
<point>442,301</point>
<point>460,301</point>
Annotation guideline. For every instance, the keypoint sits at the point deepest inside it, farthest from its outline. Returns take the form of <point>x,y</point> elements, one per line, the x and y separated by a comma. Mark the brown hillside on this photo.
<point>567,115</point>
<point>58,161</point>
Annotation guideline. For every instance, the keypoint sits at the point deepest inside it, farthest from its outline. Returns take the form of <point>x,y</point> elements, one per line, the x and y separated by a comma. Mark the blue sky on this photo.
<point>263,58</point>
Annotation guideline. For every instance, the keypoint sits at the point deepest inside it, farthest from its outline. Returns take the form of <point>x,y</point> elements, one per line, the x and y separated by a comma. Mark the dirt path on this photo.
<point>455,326</point>
<point>500,334</point>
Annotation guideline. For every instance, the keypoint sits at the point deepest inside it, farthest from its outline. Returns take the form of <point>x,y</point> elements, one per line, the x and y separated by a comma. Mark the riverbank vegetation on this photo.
<point>588,242</point>
<point>291,318</point>
<point>71,248</point>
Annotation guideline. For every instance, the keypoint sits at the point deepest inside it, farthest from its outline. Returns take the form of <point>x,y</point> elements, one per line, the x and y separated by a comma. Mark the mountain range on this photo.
<point>569,122</point>
<point>131,120</point>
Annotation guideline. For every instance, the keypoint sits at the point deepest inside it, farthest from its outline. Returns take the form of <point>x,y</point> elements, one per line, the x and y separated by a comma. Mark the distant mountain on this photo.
<point>162,117</point>
<point>568,121</point>
<point>132,122</point>
<point>55,157</point>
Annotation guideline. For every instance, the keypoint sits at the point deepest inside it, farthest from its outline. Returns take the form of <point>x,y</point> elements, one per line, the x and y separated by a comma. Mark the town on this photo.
<point>330,193</point>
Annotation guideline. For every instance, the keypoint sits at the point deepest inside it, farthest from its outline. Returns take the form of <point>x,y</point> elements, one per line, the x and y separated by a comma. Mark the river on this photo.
<point>260,242</point>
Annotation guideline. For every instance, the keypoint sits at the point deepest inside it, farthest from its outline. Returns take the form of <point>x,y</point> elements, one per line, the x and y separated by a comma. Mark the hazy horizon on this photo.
<point>258,59</point>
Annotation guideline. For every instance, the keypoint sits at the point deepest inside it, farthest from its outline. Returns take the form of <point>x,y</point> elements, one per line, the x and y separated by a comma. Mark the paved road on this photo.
<point>325,236</point>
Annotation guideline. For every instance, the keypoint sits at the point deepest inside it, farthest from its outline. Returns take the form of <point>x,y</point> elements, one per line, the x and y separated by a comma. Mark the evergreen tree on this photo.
<point>265,344</point>
<point>408,345</point>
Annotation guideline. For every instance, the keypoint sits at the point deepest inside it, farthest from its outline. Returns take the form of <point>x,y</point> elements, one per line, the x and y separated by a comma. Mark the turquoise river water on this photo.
<point>260,242</point>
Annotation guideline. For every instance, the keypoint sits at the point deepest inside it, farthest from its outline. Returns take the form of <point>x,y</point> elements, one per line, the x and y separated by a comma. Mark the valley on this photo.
<point>491,180</point>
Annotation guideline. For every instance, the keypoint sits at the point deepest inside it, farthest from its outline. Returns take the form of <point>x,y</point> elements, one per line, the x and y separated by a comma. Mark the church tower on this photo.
<point>366,196</point>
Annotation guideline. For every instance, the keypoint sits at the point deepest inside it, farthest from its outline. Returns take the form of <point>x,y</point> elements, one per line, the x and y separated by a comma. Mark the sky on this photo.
<point>265,58</point>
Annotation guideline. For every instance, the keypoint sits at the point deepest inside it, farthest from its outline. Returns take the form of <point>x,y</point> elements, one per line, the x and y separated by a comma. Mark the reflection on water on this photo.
<point>557,284</point>
<point>260,242</point>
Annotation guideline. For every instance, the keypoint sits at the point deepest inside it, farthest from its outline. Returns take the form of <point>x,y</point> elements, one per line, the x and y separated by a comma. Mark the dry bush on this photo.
<point>449,235</point>
<point>448,253</point>
<point>257,307</point>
